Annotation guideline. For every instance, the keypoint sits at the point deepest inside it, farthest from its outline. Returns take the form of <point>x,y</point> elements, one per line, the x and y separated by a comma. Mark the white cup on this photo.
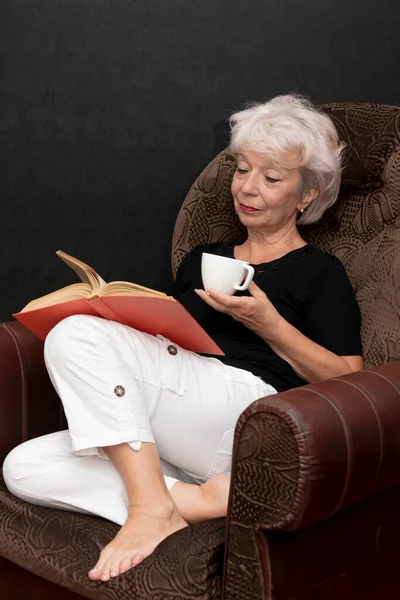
<point>225,274</point>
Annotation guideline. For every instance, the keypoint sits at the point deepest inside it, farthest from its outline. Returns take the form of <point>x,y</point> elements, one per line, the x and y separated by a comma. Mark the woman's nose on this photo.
<point>249,185</point>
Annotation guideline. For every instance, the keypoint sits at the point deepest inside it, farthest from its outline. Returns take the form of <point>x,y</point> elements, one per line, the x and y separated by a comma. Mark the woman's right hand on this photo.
<point>255,311</point>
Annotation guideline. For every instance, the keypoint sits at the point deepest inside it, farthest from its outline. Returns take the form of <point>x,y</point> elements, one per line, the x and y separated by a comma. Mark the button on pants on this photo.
<point>120,385</point>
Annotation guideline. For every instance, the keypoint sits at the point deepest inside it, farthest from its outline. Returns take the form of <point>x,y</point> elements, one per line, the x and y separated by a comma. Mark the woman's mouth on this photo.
<point>248,209</point>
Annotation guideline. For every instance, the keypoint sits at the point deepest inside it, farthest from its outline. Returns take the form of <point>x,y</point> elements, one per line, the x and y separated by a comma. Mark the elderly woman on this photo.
<point>151,425</point>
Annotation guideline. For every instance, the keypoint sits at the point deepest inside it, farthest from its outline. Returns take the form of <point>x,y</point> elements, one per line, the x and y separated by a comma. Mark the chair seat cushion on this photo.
<point>62,546</point>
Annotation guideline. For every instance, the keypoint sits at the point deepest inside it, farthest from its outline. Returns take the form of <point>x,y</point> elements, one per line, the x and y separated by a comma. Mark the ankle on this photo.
<point>160,507</point>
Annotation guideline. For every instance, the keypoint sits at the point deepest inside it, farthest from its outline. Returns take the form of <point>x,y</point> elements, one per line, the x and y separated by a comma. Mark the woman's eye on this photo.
<point>271,179</point>
<point>241,171</point>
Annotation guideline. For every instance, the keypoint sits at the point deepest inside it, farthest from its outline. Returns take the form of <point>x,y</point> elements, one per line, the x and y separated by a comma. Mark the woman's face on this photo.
<point>266,196</point>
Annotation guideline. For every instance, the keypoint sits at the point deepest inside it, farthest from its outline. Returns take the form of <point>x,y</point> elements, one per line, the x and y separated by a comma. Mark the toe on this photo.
<point>101,570</point>
<point>94,574</point>
<point>121,565</point>
<point>125,565</point>
<point>97,571</point>
<point>137,559</point>
<point>105,575</point>
<point>116,564</point>
<point>106,570</point>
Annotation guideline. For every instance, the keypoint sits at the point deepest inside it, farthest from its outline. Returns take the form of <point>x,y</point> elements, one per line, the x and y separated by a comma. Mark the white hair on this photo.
<point>286,126</point>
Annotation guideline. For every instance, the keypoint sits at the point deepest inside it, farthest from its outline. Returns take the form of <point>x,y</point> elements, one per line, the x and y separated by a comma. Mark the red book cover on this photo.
<point>42,320</point>
<point>149,314</point>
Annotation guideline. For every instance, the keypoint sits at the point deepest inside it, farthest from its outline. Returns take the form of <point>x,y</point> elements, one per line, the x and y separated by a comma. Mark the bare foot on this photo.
<point>145,528</point>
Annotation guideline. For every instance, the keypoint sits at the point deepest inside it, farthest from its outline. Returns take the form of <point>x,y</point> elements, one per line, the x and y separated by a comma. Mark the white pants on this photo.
<point>121,385</point>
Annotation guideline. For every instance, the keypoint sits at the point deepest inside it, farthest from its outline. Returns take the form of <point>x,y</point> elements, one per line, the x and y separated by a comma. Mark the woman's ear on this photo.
<point>307,197</point>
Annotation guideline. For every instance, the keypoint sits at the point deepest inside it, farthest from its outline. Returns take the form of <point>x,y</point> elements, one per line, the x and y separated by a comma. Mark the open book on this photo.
<point>127,303</point>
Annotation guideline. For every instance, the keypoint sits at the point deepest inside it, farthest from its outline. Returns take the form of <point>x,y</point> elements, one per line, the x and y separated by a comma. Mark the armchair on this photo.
<point>313,510</point>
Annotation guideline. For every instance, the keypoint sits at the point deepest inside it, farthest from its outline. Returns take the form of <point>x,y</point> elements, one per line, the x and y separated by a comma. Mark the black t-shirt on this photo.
<point>309,288</point>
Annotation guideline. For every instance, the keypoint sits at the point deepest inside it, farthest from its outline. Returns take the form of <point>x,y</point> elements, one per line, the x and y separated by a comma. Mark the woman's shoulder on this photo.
<point>324,265</point>
<point>321,258</point>
<point>307,261</point>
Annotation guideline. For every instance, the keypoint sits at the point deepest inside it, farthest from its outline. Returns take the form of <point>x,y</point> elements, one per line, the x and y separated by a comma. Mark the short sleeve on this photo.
<point>333,317</point>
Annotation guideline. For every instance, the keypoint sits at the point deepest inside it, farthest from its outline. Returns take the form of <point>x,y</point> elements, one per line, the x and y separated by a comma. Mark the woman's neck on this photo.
<point>259,249</point>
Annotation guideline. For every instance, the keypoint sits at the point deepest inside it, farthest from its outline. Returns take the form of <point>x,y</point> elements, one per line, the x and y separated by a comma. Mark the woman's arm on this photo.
<point>310,360</point>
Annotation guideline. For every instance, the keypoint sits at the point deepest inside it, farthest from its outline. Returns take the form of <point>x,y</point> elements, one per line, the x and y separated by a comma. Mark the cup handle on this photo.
<point>248,280</point>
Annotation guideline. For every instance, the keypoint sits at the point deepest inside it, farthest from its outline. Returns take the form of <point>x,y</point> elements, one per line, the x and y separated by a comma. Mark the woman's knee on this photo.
<point>27,463</point>
<point>16,468</point>
<point>70,333</point>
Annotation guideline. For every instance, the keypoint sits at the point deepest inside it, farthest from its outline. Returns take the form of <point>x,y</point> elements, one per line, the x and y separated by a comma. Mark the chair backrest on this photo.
<point>362,229</point>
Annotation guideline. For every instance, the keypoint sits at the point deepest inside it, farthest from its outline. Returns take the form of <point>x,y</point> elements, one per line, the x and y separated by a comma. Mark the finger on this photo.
<point>209,300</point>
<point>204,296</point>
<point>213,302</point>
<point>226,300</point>
<point>255,291</point>
<point>201,293</point>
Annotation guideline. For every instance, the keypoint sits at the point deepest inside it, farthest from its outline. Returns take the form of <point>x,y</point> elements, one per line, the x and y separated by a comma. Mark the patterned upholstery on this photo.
<point>62,547</point>
<point>362,228</point>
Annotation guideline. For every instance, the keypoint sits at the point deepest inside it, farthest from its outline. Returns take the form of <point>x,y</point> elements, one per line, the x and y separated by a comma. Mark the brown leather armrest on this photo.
<point>29,406</point>
<point>305,454</point>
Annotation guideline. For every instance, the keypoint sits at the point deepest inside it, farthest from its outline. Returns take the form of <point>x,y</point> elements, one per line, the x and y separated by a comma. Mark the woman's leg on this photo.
<point>45,472</point>
<point>153,512</point>
<point>114,382</point>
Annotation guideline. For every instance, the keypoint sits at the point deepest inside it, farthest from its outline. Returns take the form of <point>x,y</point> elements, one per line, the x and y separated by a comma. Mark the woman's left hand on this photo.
<point>255,311</point>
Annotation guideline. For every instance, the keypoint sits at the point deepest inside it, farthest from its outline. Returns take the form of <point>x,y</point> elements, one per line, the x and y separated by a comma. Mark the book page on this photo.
<point>70,292</point>
<point>125,288</point>
<point>85,273</point>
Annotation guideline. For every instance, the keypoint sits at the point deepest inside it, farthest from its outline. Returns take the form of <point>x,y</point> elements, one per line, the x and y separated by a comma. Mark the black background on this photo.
<point>111,108</point>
